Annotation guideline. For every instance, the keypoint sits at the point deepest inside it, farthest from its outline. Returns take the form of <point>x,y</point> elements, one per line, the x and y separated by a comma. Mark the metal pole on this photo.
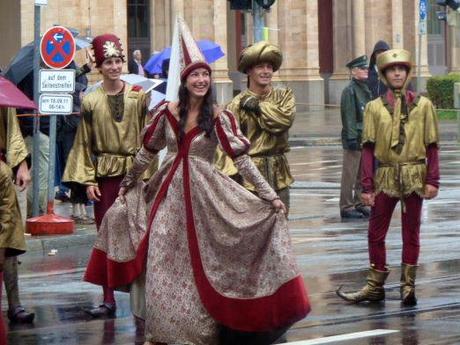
<point>36,138</point>
<point>52,163</point>
<point>258,21</point>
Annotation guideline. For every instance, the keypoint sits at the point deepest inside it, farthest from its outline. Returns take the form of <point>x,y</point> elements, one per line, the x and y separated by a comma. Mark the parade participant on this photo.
<point>354,98</point>
<point>401,132</point>
<point>107,138</point>
<point>214,254</point>
<point>265,114</point>
<point>376,86</point>
<point>13,151</point>
<point>12,240</point>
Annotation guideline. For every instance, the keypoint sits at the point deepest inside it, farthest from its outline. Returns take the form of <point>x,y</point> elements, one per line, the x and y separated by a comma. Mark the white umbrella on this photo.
<point>147,84</point>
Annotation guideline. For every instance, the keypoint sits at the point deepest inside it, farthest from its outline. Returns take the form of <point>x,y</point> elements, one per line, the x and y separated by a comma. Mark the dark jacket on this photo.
<point>27,123</point>
<point>133,67</point>
<point>354,99</point>
<point>375,84</point>
<point>69,123</point>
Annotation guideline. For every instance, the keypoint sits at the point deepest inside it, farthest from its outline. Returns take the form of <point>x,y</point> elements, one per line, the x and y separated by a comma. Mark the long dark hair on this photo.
<point>206,116</point>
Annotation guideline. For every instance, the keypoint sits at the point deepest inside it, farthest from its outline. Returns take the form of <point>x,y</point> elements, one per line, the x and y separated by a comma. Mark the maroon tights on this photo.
<point>379,223</point>
<point>109,187</point>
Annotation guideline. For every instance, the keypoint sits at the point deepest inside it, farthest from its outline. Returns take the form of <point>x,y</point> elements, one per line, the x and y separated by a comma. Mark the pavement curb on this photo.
<point>46,243</point>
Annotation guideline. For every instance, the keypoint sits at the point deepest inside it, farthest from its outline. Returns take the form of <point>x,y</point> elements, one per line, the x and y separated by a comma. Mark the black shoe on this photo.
<point>351,214</point>
<point>62,196</point>
<point>365,210</point>
<point>19,315</point>
<point>104,310</point>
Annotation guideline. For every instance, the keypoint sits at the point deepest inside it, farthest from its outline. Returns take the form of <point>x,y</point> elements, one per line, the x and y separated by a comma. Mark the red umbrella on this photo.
<point>11,96</point>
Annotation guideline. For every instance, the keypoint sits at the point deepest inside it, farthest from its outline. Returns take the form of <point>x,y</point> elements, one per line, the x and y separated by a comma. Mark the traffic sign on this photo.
<point>52,80</point>
<point>423,9</point>
<point>57,47</point>
<point>59,104</point>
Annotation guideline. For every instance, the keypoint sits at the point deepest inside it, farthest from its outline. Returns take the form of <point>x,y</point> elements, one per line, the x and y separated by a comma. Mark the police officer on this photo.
<point>354,99</point>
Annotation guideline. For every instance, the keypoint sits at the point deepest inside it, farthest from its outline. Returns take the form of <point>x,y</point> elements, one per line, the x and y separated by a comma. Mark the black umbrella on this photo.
<point>22,63</point>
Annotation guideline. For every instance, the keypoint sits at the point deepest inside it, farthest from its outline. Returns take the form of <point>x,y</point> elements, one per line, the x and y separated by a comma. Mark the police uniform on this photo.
<point>353,101</point>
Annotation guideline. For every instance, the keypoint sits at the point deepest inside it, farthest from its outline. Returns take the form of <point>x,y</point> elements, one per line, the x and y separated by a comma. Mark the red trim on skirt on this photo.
<point>286,306</point>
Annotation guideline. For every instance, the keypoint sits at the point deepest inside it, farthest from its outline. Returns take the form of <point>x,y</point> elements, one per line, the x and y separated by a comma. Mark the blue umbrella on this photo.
<point>211,51</point>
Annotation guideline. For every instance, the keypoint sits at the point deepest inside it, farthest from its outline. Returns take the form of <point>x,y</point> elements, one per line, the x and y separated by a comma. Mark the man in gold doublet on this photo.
<point>400,136</point>
<point>13,152</point>
<point>107,139</point>
<point>265,115</point>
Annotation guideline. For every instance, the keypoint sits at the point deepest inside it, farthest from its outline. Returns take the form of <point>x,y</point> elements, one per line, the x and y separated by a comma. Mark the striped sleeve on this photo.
<point>231,139</point>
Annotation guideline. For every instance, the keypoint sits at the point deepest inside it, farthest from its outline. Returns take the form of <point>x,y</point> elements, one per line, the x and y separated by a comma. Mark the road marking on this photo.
<point>344,337</point>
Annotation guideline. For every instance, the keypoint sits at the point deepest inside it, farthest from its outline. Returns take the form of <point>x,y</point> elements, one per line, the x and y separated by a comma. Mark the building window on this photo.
<point>139,18</point>
<point>434,25</point>
<point>139,27</point>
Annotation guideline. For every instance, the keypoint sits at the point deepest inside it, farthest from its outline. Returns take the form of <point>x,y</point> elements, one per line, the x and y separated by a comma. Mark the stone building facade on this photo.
<point>317,37</point>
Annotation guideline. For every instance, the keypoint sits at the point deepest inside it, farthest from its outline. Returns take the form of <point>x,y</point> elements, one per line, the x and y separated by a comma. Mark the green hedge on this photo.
<point>441,90</point>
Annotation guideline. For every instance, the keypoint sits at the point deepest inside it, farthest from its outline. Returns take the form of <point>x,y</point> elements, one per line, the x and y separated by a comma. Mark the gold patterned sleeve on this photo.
<point>369,130</point>
<point>153,135</point>
<point>278,112</point>
<point>153,140</point>
<point>236,145</point>
<point>431,135</point>
<point>80,165</point>
<point>16,150</point>
<point>141,162</point>
<point>231,140</point>
<point>250,173</point>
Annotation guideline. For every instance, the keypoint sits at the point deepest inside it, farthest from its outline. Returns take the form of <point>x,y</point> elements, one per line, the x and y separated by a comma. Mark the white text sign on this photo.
<point>57,80</point>
<point>55,104</point>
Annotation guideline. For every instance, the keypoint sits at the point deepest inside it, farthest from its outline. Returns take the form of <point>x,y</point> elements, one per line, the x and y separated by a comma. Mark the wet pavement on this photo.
<point>330,253</point>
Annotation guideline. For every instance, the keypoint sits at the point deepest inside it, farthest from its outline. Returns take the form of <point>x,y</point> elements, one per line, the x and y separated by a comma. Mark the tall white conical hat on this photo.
<point>186,56</point>
<point>191,56</point>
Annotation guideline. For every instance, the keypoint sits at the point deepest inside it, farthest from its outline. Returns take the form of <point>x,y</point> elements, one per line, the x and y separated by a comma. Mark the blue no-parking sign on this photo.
<point>423,9</point>
<point>57,47</point>
<point>422,16</point>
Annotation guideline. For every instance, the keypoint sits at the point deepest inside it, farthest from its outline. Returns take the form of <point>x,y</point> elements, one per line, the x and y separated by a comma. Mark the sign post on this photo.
<point>422,31</point>
<point>258,21</point>
<point>57,50</point>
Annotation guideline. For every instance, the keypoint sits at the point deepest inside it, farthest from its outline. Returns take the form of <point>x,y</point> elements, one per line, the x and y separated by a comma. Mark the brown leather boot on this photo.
<point>372,292</point>
<point>408,273</point>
